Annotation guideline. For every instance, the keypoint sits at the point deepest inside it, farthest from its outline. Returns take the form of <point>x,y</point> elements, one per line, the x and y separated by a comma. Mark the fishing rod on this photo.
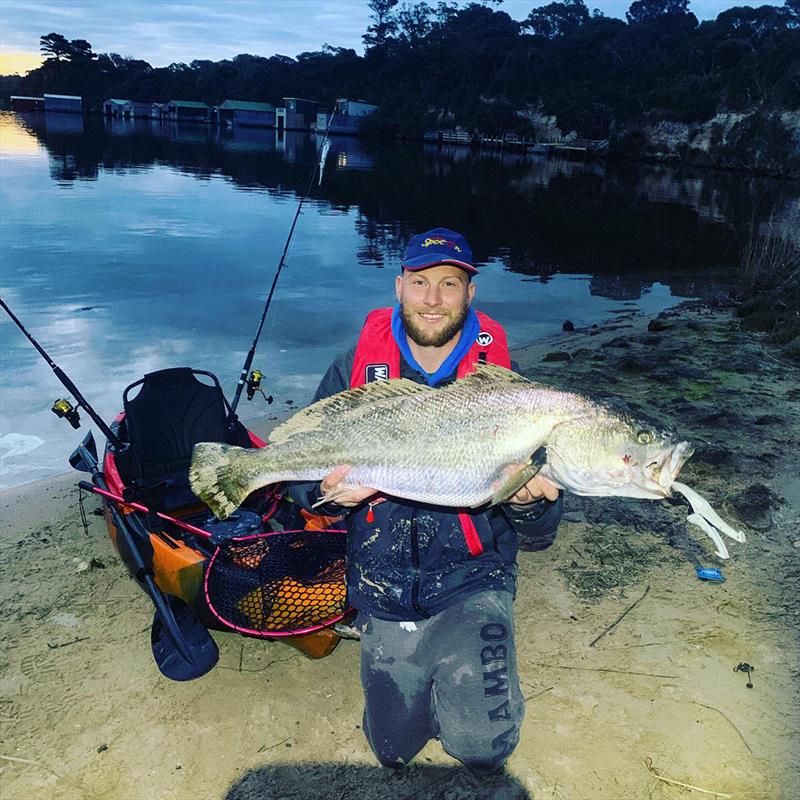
<point>253,382</point>
<point>63,408</point>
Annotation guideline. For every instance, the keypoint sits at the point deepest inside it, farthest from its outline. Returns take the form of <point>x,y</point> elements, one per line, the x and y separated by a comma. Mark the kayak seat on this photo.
<point>166,414</point>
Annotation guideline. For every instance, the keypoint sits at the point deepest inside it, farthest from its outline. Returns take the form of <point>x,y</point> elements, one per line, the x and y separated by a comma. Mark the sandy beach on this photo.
<point>652,707</point>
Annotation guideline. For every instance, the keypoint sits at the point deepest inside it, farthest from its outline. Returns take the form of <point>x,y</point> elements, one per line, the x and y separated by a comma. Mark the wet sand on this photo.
<point>84,712</point>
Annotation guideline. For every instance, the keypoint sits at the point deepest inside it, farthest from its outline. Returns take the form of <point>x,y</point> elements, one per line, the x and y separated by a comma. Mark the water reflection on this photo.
<point>619,287</point>
<point>135,245</point>
<point>536,213</point>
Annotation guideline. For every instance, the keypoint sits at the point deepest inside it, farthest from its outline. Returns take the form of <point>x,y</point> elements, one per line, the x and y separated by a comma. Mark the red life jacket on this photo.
<point>377,357</point>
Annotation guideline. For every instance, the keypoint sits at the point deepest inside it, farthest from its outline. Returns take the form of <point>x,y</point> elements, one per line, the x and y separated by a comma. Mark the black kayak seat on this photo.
<point>171,412</point>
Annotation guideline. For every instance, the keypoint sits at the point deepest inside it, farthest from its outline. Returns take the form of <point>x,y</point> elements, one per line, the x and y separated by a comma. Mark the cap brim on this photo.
<point>423,262</point>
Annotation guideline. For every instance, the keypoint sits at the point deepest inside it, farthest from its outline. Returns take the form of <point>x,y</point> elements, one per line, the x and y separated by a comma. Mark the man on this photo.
<point>434,586</point>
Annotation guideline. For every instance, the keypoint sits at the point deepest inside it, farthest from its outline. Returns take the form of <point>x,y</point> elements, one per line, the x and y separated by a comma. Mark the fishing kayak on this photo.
<point>266,572</point>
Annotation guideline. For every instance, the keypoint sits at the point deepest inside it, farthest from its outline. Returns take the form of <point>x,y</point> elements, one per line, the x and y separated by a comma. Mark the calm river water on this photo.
<point>130,247</point>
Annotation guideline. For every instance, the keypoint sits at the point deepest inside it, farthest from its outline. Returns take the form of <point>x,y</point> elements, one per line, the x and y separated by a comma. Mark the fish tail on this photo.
<point>221,476</point>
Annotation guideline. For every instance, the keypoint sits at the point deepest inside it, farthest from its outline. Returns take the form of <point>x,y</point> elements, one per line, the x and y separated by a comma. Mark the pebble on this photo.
<point>658,324</point>
<point>634,364</point>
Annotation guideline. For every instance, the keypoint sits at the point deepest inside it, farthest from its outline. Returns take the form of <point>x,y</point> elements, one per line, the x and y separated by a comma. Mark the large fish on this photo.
<point>452,447</point>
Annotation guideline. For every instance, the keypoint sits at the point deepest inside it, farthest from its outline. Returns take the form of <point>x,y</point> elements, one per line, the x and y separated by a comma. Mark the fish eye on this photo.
<point>644,437</point>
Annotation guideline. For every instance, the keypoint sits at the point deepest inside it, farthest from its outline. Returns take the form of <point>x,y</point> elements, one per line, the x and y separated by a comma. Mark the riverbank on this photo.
<point>654,704</point>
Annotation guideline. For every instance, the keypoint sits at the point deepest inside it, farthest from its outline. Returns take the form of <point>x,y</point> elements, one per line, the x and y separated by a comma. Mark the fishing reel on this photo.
<point>254,385</point>
<point>63,409</point>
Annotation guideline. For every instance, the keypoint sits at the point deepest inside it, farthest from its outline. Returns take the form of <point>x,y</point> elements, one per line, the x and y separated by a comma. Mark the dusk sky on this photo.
<point>166,31</point>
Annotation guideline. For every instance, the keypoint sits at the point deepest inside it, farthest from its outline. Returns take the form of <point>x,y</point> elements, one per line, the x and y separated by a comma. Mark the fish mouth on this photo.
<point>662,472</point>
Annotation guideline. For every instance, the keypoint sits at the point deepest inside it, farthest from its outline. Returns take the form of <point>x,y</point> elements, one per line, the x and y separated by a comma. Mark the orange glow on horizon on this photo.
<point>18,62</point>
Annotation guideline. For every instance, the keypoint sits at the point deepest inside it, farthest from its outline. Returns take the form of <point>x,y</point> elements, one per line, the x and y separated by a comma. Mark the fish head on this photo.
<point>606,453</point>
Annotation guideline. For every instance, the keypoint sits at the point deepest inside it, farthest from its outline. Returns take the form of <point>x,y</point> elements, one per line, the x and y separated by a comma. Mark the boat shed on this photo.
<point>63,103</point>
<point>145,110</point>
<point>20,103</point>
<point>117,108</point>
<point>355,108</point>
<point>242,112</point>
<point>297,114</point>
<point>349,117</point>
<point>186,111</point>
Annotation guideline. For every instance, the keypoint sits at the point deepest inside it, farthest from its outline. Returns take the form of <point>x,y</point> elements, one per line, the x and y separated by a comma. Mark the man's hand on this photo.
<point>535,489</point>
<point>341,495</point>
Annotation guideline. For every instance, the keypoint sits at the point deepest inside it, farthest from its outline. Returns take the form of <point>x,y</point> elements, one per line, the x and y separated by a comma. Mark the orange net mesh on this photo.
<point>279,583</point>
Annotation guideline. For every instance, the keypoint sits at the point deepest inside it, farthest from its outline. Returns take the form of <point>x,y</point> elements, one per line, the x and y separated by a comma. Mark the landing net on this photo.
<point>278,584</point>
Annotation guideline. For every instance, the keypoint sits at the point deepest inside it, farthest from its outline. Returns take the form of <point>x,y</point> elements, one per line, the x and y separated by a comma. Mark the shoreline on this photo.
<point>85,713</point>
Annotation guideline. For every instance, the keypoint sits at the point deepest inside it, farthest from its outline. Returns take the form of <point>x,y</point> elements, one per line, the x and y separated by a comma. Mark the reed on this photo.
<point>771,257</point>
<point>769,279</point>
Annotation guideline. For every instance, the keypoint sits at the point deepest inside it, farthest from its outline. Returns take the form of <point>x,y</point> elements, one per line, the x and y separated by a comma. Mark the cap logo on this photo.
<point>446,242</point>
<point>484,339</point>
<point>376,372</point>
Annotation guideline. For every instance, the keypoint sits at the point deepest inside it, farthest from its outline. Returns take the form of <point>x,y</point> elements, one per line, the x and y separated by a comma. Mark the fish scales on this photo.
<point>446,450</point>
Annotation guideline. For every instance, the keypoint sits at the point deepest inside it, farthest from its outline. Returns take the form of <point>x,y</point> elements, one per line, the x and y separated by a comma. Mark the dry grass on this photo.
<point>769,276</point>
<point>771,258</point>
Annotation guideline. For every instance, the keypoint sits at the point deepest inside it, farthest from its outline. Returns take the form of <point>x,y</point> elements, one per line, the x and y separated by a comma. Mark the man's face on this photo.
<point>434,303</point>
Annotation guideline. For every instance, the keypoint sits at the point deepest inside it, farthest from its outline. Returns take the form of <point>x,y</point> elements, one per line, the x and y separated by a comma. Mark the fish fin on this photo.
<point>360,399</point>
<point>492,373</point>
<point>517,480</point>
<point>333,495</point>
<point>217,477</point>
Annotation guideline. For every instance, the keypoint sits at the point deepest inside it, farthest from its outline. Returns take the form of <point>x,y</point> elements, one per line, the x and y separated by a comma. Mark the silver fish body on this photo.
<point>451,446</point>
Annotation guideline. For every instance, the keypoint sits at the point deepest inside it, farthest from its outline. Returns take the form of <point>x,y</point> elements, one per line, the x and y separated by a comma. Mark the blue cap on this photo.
<point>438,246</point>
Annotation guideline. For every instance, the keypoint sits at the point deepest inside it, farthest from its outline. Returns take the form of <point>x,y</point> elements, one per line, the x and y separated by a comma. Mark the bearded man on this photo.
<point>434,586</point>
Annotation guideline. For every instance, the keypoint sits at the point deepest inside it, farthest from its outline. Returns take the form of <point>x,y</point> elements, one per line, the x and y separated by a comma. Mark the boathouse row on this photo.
<point>295,114</point>
<point>50,102</point>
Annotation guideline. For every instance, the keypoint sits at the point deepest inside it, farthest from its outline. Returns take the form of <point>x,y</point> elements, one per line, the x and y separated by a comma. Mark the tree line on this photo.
<point>439,65</point>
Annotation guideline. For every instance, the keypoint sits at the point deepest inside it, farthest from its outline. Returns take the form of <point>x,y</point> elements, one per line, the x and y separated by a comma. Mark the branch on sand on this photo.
<point>619,618</point>
<point>648,762</point>
<point>604,669</point>
<point>30,761</point>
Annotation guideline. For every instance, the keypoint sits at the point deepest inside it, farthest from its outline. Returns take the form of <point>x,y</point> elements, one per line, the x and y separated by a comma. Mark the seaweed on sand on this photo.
<point>610,559</point>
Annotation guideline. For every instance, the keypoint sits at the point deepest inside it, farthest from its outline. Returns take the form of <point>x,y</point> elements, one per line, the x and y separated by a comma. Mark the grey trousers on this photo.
<point>453,676</point>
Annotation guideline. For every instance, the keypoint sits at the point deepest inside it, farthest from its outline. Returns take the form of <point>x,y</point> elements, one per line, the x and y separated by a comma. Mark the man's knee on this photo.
<point>482,752</point>
<point>395,742</point>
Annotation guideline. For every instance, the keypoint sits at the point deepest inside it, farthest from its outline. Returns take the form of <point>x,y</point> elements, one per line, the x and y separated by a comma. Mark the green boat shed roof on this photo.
<point>246,105</point>
<point>187,104</point>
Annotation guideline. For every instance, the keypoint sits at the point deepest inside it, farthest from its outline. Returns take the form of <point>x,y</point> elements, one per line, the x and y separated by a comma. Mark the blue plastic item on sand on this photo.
<point>709,573</point>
